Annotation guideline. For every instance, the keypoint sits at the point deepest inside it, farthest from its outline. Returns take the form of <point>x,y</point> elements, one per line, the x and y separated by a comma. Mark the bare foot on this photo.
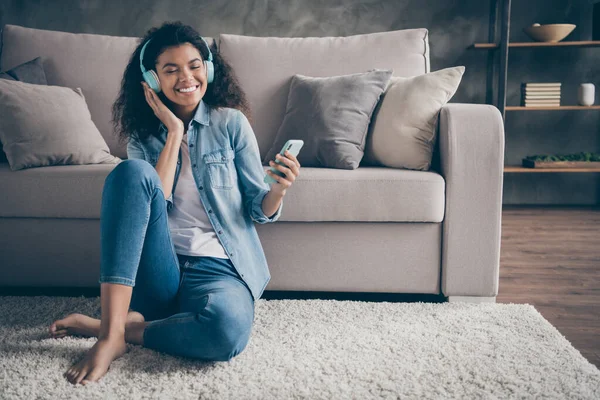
<point>79,324</point>
<point>97,360</point>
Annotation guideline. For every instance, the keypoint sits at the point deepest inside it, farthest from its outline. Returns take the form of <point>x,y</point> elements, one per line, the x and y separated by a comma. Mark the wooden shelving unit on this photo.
<point>502,46</point>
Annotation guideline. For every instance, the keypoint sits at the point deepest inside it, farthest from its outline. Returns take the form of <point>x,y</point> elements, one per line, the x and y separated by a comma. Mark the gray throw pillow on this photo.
<point>331,115</point>
<point>48,125</point>
<point>30,72</point>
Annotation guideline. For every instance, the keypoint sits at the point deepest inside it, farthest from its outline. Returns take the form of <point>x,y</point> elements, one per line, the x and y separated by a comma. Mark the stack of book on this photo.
<point>540,94</point>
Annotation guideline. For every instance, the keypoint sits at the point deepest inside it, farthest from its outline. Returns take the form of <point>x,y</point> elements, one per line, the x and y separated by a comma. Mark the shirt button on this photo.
<point>222,158</point>
<point>210,211</point>
<point>194,165</point>
<point>191,144</point>
<point>201,187</point>
<point>220,232</point>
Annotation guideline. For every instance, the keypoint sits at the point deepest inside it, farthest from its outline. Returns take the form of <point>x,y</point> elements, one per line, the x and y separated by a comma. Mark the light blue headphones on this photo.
<point>151,77</point>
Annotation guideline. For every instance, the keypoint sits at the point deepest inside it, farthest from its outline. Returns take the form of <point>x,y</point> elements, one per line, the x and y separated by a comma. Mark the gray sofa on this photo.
<point>372,229</point>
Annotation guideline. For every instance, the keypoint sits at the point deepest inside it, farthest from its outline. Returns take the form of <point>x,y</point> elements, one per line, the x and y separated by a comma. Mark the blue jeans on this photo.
<point>198,307</point>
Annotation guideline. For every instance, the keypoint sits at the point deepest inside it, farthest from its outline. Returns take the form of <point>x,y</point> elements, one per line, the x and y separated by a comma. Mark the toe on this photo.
<point>81,375</point>
<point>74,371</point>
<point>58,333</point>
<point>53,329</point>
<point>94,375</point>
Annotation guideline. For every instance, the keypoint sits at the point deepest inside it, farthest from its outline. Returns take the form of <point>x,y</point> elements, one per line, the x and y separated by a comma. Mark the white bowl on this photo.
<point>549,32</point>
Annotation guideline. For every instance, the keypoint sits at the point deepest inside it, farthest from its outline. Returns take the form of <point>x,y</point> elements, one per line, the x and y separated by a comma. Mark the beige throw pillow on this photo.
<point>404,126</point>
<point>48,125</point>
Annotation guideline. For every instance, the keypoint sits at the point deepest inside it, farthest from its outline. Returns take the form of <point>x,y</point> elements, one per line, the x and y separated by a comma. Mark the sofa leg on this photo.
<point>471,299</point>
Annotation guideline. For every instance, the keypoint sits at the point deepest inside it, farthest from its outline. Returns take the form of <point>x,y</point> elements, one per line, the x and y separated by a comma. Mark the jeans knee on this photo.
<point>232,333</point>
<point>131,171</point>
<point>132,168</point>
<point>233,344</point>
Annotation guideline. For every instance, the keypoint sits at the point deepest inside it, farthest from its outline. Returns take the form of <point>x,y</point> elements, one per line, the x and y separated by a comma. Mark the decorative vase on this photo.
<point>586,94</point>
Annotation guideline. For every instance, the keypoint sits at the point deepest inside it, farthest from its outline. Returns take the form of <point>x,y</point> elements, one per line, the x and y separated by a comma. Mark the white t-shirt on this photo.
<point>191,230</point>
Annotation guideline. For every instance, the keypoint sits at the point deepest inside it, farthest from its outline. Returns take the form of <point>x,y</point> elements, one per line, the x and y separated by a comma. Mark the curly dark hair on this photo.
<point>131,114</point>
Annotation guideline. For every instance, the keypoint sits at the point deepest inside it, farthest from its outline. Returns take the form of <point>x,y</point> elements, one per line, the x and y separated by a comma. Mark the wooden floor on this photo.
<point>550,258</point>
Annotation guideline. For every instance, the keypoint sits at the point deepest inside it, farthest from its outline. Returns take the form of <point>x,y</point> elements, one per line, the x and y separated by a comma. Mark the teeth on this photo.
<point>188,89</point>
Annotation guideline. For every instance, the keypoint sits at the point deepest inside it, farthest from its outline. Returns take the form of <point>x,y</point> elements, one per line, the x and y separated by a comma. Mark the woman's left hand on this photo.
<point>291,169</point>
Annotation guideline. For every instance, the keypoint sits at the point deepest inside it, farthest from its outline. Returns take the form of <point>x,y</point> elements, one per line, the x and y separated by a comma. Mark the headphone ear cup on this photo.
<point>152,80</point>
<point>210,71</point>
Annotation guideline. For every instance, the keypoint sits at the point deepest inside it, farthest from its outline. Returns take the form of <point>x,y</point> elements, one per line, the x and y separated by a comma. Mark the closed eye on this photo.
<point>170,72</point>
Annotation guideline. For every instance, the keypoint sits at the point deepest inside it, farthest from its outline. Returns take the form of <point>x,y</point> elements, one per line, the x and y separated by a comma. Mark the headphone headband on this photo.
<point>207,48</point>
<point>210,57</point>
<point>142,56</point>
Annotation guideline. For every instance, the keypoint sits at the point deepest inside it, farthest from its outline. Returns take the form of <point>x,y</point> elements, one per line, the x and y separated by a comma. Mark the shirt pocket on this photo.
<point>220,166</point>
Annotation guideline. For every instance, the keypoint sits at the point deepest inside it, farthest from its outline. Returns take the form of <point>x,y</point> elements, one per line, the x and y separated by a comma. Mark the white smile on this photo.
<point>188,90</point>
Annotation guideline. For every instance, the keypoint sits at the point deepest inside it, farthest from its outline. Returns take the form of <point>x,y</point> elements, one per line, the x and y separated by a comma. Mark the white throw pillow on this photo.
<point>404,128</point>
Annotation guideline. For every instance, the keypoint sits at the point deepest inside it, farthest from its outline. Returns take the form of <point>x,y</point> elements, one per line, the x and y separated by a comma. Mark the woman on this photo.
<point>179,248</point>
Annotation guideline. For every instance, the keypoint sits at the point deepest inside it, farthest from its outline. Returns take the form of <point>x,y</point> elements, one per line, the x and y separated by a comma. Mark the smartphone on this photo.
<point>293,146</point>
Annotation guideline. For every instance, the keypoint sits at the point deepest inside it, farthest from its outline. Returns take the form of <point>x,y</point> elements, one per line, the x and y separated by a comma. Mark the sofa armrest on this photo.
<point>471,146</point>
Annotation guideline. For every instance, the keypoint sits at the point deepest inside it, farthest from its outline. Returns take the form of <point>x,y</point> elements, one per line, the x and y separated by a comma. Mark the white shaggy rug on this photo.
<point>314,349</point>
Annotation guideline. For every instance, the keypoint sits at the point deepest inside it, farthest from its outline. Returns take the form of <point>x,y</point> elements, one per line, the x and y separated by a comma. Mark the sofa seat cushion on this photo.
<point>365,194</point>
<point>61,191</point>
<point>319,194</point>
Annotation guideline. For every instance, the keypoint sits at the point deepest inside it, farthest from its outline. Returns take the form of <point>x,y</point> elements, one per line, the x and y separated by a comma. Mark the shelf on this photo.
<point>522,108</point>
<point>493,46</point>
<point>517,168</point>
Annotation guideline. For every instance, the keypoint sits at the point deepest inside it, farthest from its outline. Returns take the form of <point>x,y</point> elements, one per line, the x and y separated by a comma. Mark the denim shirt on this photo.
<point>228,171</point>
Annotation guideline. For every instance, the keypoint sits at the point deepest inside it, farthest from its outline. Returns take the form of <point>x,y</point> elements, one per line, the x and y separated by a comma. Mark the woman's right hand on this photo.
<point>162,112</point>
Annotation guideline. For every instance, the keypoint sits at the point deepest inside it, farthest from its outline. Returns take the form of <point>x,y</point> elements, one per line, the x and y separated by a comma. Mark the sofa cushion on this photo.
<point>403,130</point>
<point>331,115</point>
<point>94,63</point>
<point>31,72</point>
<point>61,191</point>
<point>376,194</point>
<point>319,194</point>
<point>265,66</point>
<point>42,125</point>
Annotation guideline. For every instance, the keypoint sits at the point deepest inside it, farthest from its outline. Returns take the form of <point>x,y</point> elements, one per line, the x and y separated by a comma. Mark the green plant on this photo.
<point>583,156</point>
